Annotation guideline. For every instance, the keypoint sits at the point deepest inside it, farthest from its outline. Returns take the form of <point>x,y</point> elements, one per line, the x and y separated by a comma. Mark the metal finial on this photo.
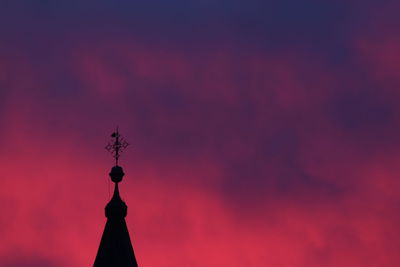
<point>116,146</point>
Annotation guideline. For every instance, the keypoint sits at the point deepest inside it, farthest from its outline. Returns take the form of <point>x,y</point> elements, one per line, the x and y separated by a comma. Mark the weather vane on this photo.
<point>116,146</point>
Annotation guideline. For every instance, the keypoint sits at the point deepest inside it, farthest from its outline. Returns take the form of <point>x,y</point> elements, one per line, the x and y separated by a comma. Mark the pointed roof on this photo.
<point>115,248</point>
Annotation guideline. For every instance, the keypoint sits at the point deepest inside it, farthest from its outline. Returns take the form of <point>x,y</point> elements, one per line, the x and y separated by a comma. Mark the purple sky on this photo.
<point>262,133</point>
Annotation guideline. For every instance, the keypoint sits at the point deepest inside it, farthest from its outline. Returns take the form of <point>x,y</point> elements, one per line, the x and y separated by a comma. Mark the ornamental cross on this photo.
<point>116,146</point>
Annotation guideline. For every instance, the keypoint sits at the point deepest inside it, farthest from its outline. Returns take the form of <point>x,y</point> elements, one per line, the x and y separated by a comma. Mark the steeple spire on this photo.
<point>115,248</point>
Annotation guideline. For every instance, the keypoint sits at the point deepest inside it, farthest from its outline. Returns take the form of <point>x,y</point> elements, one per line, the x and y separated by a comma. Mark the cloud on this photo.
<point>32,262</point>
<point>241,153</point>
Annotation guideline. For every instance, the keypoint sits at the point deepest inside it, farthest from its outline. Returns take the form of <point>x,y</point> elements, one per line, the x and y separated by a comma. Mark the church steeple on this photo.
<point>115,248</point>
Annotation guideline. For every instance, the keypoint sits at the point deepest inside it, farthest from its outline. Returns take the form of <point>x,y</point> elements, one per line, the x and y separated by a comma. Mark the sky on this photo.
<point>262,133</point>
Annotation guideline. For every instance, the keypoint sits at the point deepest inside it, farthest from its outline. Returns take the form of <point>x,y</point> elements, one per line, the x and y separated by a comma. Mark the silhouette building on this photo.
<point>115,248</point>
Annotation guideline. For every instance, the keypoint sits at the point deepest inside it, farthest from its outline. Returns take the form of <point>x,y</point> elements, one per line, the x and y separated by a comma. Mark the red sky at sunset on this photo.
<point>262,133</point>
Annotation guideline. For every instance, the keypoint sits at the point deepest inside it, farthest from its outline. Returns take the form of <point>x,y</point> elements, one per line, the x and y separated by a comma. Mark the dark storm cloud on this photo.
<point>272,23</point>
<point>362,112</point>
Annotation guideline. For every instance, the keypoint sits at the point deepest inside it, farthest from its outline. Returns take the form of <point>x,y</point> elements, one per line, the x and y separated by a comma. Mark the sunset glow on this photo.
<point>262,133</point>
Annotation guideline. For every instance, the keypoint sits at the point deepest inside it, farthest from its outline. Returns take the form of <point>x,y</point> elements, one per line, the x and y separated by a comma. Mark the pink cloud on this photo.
<point>318,200</point>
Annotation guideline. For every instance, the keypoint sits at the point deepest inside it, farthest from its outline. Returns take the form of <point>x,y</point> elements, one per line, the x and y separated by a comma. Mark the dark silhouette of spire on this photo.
<point>115,248</point>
